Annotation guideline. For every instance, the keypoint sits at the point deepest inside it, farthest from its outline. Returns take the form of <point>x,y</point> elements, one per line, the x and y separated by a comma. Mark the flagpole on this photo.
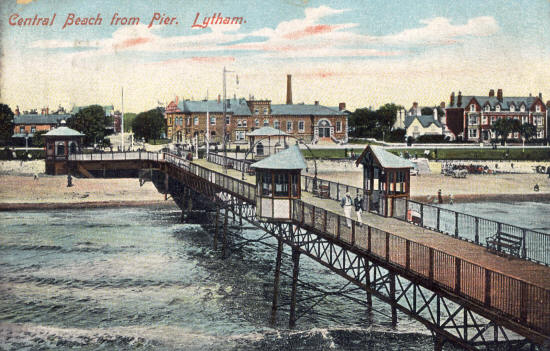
<point>207,127</point>
<point>122,121</point>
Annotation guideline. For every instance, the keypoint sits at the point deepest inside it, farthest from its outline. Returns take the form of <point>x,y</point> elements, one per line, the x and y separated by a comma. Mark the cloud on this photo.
<point>439,30</point>
<point>24,2</point>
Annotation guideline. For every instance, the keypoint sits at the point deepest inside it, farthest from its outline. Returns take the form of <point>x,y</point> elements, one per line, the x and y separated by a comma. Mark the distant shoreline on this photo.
<point>22,206</point>
<point>462,198</point>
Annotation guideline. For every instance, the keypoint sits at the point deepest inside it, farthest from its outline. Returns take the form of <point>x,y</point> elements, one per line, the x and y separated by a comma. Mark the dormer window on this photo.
<point>472,107</point>
<point>537,108</point>
<point>487,108</point>
<point>512,108</point>
<point>522,108</point>
<point>497,108</point>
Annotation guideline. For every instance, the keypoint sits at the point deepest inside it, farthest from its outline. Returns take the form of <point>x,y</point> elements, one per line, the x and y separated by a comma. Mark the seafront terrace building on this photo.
<point>471,117</point>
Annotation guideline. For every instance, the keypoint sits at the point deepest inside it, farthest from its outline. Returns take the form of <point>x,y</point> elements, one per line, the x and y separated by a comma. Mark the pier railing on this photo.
<point>116,156</point>
<point>235,163</point>
<point>535,245</point>
<point>521,301</point>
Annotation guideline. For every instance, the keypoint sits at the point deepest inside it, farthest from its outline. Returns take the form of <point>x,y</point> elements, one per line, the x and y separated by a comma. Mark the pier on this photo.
<point>463,293</point>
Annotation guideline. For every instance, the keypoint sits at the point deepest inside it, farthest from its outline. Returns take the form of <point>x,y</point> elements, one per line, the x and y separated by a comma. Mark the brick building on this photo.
<point>471,117</point>
<point>313,123</point>
<point>28,123</point>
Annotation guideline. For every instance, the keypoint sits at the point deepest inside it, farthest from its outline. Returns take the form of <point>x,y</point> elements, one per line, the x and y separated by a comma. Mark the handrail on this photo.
<point>524,302</point>
<point>535,245</point>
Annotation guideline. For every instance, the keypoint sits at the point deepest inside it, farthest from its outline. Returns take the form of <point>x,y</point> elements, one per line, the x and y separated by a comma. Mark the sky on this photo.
<point>364,53</point>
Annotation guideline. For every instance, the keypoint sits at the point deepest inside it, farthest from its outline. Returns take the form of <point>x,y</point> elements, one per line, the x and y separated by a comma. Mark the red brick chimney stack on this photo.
<point>342,106</point>
<point>17,113</point>
<point>219,98</point>
<point>289,89</point>
<point>499,94</point>
<point>491,92</point>
<point>459,99</point>
<point>316,102</point>
<point>452,100</point>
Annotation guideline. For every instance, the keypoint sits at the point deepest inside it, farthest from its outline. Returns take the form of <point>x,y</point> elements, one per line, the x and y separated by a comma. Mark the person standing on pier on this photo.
<point>358,203</point>
<point>346,203</point>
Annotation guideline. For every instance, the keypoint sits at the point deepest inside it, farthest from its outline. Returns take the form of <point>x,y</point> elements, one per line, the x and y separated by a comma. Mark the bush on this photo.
<point>7,154</point>
<point>432,139</point>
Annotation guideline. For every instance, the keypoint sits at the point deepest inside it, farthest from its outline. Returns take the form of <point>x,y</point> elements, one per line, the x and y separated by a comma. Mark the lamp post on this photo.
<point>225,121</point>
<point>26,143</point>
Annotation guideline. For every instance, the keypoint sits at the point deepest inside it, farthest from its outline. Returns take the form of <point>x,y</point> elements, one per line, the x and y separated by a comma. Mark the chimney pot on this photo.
<point>452,102</point>
<point>342,106</point>
<point>219,98</point>
<point>289,89</point>
<point>442,104</point>
<point>540,95</point>
<point>316,102</point>
<point>491,92</point>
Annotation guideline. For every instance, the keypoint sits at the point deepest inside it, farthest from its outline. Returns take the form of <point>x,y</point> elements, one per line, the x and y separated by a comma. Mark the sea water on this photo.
<point>136,278</point>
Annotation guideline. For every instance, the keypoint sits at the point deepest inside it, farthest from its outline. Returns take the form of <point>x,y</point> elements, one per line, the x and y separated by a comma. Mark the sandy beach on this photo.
<point>19,189</point>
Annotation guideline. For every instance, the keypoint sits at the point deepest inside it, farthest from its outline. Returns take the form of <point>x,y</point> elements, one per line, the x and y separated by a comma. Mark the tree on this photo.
<point>502,127</point>
<point>92,122</point>
<point>6,124</point>
<point>365,122</point>
<point>149,124</point>
<point>528,131</point>
<point>38,138</point>
<point>128,120</point>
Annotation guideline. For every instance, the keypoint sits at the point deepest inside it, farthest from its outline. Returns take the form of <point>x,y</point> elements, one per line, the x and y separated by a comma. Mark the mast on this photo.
<point>122,121</point>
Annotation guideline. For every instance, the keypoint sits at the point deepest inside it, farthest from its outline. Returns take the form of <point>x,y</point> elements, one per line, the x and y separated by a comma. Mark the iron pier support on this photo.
<point>276,281</point>
<point>224,239</point>
<point>217,228</point>
<point>393,300</point>
<point>295,271</point>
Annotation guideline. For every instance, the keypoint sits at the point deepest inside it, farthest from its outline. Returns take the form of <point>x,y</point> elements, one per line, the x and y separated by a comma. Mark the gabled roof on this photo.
<point>290,158</point>
<point>267,131</point>
<point>301,109</point>
<point>384,158</point>
<point>517,101</point>
<point>39,119</point>
<point>63,131</point>
<point>425,121</point>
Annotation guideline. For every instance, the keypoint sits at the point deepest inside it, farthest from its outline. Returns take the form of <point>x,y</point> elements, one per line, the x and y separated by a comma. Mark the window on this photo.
<point>196,120</point>
<point>257,122</point>
<point>227,120</point>
<point>256,111</point>
<point>245,123</point>
<point>266,184</point>
<point>22,130</point>
<point>472,133</point>
<point>540,134</point>
<point>276,124</point>
<point>265,111</point>
<point>212,121</point>
<point>239,123</point>
<point>524,119</point>
<point>512,108</point>
<point>239,135</point>
<point>266,123</point>
<point>493,119</point>
<point>188,121</point>
<point>537,108</point>
<point>484,120</point>
<point>169,120</point>
<point>281,185</point>
<point>33,129</point>
<point>472,120</point>
<point>472,107</point>
<point>487,107</point>
<point>497,108</point>
<point>301,126</point>
<point>338,126</point>
<point>522,108</point>
<point>288,126</point>
<point>538,120</point>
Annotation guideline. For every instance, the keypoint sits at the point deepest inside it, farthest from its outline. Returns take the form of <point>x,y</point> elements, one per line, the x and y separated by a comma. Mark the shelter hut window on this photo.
<point>281,185</point>
<point>60,149</point>
<point>295,191</point>
<point>260,149</point>
<point>72,148</point>
<point>265,184</point>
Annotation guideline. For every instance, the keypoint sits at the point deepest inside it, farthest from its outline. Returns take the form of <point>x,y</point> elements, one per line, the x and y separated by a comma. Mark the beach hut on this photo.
<point>60,143</point>
<point>278,183</point>
<point>386,177</point>
<point>267,141</point>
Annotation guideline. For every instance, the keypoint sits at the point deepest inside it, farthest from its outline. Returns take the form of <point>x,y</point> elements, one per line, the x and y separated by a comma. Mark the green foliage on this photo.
<point>149,125</point>
<point>6,124</point>
<point>397,135</point>
<point>427,138</point>
<point>128,120</point>
<point>528,131</point>
<point>502,127</point>
<point>500,154</point>
<point>377,124</point>
<point>38,138</point>
<point>90,121</point>
<point>7,154</point>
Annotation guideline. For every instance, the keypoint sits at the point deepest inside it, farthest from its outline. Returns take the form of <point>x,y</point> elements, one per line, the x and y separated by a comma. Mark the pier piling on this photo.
<point>295,272</point>
<point>276,281</point>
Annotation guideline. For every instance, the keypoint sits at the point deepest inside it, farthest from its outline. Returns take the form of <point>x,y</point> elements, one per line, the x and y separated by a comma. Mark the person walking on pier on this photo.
<point>347,203</point>
<point>358,203</point>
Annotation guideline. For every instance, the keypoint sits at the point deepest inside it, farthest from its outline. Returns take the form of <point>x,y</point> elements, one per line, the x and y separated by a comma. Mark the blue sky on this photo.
<point>365,53</point>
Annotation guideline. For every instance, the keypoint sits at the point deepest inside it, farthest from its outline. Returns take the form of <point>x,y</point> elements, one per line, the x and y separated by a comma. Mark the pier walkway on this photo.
<point>462,292</point>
